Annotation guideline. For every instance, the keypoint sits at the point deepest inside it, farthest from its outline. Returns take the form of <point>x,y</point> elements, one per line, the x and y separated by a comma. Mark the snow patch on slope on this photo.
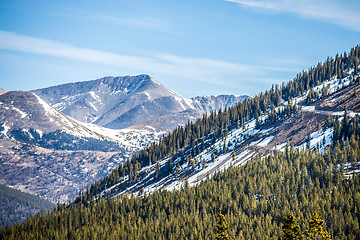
<point>49,111</point>
<point>23,114</point>
<point>265,141</point>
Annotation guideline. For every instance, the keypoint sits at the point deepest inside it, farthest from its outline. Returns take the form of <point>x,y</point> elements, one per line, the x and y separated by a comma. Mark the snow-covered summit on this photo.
<point>121,102</point>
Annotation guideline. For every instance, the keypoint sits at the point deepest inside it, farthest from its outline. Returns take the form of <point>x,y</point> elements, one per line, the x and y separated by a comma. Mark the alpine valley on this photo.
<point>135,160</point>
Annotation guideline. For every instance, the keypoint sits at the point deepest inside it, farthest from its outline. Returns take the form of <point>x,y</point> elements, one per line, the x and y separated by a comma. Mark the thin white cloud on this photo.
<point>190,69</point>
<point>344,13</point>
<point>139,21</point>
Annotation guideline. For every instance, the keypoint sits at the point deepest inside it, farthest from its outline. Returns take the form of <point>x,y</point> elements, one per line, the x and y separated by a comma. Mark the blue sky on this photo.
<point>193,47</point>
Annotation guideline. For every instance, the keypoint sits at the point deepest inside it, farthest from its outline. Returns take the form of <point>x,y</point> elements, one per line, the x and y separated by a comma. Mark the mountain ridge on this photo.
<point>120,102</point>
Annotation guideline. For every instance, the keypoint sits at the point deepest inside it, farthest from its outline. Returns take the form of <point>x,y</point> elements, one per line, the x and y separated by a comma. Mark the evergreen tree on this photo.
<point>291,229</point>
<point>157,170</point>
<point>213,157</point>
<point>308,140</point>
<point>221,227</point>
<point>316,229</point>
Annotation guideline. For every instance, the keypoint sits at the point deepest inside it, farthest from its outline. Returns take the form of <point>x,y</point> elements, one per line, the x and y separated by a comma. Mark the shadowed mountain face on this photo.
<point>120,102</point>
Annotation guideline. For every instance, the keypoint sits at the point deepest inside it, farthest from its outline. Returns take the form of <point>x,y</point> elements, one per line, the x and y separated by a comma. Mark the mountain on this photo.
<point>47,153</point>
<point>116,102</point>
<point>120,102</point>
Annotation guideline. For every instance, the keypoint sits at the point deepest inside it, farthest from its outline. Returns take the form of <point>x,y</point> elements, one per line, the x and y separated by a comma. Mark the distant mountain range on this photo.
<point>120,102</point>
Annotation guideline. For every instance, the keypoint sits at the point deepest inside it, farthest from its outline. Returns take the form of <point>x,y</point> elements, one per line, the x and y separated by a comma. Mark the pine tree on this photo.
<point>157,170</point>
<point>290,228</point>
<point>308,140</point>
<point>316,230</point>
<point>221,227</point>
<point>213,157</point>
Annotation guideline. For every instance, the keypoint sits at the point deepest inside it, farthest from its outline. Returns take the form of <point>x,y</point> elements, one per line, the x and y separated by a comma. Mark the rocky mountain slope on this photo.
<point>170,121</point>
<point>26,117</point>
<point>56,175</point>
<point>45,152</point>
<point>120,102</point>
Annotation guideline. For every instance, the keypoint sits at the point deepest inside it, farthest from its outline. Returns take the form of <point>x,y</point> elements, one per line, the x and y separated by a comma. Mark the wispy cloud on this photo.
<point>141,21</point>
<point>344,13</point>
<point>133,20</point>
<point>190,69</point>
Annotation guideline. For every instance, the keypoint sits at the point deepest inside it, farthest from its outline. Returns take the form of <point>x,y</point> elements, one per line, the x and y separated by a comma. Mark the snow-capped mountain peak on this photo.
<point>121,102</point>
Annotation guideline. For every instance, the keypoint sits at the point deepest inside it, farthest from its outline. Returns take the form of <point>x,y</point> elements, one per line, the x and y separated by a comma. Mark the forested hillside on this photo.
<point>184,143</point>
<point>254,198</point>
<point>17,206</point>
